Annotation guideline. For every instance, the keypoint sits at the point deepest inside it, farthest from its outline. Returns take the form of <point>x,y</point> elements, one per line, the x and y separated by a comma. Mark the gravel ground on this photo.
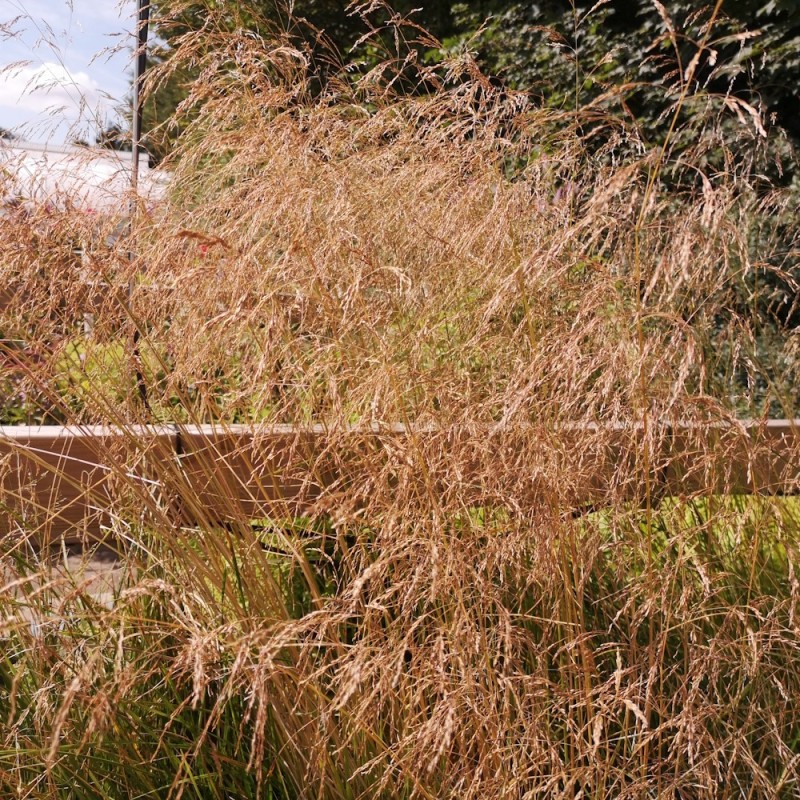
<point>96,570</point>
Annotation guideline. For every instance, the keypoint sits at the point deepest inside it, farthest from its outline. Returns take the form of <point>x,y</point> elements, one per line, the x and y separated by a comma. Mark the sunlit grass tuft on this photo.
<point>495,584</point>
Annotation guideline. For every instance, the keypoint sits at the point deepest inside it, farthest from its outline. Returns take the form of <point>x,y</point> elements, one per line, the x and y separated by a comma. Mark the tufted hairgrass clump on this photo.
<point>493,316</point>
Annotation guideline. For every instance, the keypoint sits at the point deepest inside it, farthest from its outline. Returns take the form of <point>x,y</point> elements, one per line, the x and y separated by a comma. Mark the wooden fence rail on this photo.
<point>70,481</point>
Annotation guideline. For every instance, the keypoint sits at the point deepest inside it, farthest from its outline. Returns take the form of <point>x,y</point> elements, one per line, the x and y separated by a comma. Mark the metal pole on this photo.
<point>139,66</point>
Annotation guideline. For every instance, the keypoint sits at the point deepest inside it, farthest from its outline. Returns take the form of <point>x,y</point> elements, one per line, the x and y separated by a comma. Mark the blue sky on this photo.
<point>65,65</point>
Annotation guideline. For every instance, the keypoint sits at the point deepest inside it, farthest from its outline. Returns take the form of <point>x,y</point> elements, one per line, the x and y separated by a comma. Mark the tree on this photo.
<point>569,56</point>
<point>327,31</point>
<point>563,54</point>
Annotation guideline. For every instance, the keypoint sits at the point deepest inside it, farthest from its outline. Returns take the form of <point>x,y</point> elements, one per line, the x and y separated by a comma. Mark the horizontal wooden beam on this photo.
<point>73,481</point>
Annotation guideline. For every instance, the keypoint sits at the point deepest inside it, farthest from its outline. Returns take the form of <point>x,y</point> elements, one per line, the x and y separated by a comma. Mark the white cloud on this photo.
<point>77,56</point>
<point>50,87</point>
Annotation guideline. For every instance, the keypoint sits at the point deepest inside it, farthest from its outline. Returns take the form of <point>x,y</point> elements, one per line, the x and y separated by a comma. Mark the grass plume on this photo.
<point>498,600</point>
